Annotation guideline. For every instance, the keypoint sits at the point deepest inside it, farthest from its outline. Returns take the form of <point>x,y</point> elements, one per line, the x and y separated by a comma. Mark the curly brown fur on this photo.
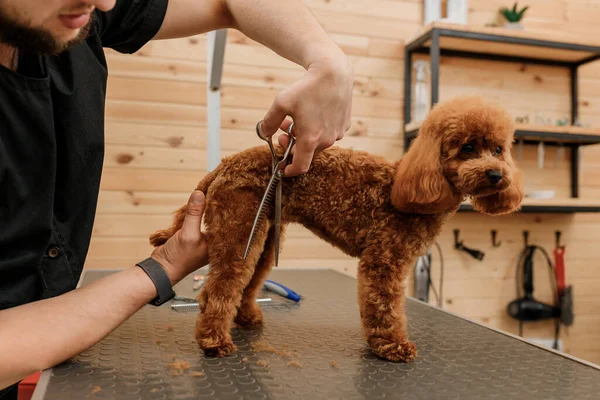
<point>384,213</point>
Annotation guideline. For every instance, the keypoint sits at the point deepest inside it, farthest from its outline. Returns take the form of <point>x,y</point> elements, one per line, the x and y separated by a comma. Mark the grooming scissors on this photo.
<point>273,187</point>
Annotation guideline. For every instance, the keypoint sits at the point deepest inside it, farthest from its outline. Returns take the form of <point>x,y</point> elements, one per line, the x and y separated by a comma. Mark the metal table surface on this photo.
<point>314,350</point>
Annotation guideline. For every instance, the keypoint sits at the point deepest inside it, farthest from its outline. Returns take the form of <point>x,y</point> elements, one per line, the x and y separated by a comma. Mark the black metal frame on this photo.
<point>573,141</point>
<point>549,209</point>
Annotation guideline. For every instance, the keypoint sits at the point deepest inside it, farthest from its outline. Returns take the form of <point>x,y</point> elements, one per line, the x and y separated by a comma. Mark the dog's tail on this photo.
<point>205,183</point>
<point>161,236</point>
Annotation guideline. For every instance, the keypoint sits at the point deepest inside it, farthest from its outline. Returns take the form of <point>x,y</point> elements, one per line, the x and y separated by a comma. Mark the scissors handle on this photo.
<point>259,133</point>
<point>283,162</point>
<point>269,141</point>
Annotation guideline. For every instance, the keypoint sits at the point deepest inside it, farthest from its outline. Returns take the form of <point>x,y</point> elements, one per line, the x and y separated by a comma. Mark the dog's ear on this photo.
<point>420,186</point>
<point>504,202</point>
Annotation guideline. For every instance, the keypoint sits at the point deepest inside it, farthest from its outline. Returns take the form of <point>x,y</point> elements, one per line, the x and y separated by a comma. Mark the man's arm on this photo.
<point>320,103</point>
<point>287,26</point>
<point>40,335</point>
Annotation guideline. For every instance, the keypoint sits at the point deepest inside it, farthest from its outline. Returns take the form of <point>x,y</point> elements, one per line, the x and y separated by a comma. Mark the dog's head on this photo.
<point>463,150</point>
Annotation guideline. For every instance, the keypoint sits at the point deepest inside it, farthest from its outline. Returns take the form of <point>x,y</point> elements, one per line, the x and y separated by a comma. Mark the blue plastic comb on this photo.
<point>281,290</point>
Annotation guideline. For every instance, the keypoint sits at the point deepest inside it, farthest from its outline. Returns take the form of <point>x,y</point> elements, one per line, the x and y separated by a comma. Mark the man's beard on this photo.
<point>35,40</point>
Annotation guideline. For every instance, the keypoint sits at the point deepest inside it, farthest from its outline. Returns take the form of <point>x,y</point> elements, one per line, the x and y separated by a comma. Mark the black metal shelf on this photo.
<point>503,45</point>
<point>549,209</point>
<point>534,135</point>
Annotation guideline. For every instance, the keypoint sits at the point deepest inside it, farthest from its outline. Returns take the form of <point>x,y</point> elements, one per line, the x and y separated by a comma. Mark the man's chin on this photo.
<point>38,40</point>
<point>59,45</point>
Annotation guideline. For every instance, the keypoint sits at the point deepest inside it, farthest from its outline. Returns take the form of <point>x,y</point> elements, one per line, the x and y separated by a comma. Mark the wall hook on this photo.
<point>526,238</point>
<point>494,242</point>
<point>557,233</point>
<point>460,246</point>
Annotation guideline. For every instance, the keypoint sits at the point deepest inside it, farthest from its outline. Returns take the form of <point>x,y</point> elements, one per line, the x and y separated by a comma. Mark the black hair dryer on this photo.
<point>527,308</point>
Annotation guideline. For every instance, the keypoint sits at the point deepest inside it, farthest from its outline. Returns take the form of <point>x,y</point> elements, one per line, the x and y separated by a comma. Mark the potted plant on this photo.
<point>513,16</point>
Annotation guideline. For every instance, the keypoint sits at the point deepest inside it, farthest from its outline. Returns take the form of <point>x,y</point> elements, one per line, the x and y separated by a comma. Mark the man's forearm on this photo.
<point>287,27</point>
<point>42,334</point>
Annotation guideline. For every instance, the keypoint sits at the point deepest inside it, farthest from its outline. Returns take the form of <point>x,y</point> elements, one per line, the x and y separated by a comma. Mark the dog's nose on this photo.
<point>494,176</point>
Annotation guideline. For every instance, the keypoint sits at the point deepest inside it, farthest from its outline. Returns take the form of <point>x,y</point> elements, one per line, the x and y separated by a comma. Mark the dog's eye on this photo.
<point>498,150</point>
<point>468,148</point>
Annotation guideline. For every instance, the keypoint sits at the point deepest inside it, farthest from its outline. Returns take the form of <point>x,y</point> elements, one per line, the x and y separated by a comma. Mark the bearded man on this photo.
<point>53,76</point>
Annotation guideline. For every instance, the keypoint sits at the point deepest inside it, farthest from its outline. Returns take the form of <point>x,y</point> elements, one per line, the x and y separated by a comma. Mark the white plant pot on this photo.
<point>514,25</point>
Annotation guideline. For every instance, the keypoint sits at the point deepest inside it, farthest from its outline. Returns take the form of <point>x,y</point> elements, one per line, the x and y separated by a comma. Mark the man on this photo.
<point>52,90</point>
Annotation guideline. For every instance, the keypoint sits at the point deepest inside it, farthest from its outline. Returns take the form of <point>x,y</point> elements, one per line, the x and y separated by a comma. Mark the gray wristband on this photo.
<point>160,279</point>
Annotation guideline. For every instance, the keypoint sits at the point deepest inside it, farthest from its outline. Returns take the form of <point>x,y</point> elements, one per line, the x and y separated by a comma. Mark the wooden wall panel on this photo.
<point>156,147</point>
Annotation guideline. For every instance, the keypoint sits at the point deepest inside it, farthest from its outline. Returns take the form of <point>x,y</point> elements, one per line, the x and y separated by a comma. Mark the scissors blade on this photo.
<point>277,221</point>
<point>267,197</point>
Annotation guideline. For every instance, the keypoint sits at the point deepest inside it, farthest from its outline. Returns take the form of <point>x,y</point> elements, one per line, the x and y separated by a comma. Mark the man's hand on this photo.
<point>187,249</point>
<point>320,104</point>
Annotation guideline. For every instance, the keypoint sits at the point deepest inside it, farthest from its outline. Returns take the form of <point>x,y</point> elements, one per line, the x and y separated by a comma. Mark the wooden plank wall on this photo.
<point>156,148</point>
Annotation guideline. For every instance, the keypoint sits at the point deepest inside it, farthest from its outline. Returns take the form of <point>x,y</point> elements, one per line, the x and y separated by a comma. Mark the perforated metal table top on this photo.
<point>314,350</point>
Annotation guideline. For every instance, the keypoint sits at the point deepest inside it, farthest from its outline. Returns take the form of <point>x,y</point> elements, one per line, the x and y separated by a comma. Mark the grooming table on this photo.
<point>314,350</point>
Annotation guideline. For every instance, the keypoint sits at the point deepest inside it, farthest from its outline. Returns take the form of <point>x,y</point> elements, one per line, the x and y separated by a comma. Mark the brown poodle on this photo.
<point>386,214</point>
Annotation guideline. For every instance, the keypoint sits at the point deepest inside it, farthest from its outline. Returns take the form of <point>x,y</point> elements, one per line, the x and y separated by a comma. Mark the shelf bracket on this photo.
<point>574,96</point>
<point>407,87</point>
<point>575,170</point>
<point>434,55</point>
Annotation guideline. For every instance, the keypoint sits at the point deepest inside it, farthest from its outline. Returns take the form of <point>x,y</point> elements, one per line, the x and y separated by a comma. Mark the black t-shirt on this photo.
<point>51,154</point>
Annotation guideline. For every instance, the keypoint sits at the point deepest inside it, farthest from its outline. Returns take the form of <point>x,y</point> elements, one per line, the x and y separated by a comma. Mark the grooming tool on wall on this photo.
<point>564,292</point>
<point>422,277</point>
<point>460,246</point>
<point>559,264</point>
<point>526,307</point>
<point>495,242</point>
<point>281,290</point>
<point>274,187</point>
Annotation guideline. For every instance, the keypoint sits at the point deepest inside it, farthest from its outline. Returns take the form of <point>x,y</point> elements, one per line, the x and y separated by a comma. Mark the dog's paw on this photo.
<point>220,351</point>
<point>216,347</point>
<point>249,316</point>
<point>403,350</point>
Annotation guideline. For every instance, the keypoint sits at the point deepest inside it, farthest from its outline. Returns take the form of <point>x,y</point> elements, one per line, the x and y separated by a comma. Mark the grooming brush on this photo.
<point>191,305</point>
<point>281,290</point>
<point>269,285</point>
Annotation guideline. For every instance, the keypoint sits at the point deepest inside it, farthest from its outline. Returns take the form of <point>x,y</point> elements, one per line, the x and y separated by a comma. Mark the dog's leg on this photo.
<point>381,300</point>
<point>250,313</point>
<point>229,273</point>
